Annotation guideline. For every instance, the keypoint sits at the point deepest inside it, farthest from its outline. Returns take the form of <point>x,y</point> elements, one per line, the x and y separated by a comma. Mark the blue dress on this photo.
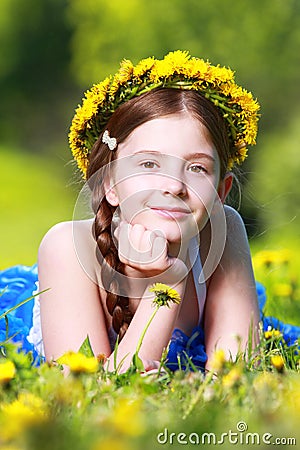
<point>22,324</point>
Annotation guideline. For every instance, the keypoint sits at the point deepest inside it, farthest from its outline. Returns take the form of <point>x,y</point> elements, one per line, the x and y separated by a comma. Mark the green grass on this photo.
<point>276,264</point>
<point>36,191</point>
<point>252,401</point>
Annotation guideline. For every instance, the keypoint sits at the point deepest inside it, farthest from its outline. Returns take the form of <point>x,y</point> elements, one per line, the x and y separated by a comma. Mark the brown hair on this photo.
<point>126,118</point>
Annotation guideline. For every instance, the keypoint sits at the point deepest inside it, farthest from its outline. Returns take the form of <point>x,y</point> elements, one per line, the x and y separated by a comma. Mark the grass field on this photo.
<point>250,402</point>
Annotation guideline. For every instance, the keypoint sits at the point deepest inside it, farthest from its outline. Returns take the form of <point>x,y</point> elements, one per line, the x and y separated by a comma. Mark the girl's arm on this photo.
<point>71,309</point>
<point>231,304</point>
<point>156,338</point>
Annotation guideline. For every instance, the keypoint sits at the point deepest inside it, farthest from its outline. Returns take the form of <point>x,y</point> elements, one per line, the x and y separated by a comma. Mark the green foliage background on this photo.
<point>51,51</point>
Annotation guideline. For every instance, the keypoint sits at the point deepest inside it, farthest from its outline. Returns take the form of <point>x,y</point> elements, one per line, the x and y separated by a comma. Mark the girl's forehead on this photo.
<point>174,134</point>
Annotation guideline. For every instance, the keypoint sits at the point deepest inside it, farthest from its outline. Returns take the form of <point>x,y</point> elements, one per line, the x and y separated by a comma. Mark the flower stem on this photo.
<point>140,341</point>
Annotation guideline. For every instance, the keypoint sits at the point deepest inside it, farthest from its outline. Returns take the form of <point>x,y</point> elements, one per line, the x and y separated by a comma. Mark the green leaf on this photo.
<point>137,363</point>
<point>86,348</point>
<point>115,353</point>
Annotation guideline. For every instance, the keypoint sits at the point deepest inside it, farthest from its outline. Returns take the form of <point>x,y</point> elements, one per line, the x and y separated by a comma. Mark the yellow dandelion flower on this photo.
<point>22,413</point>
<point>164,295</point>
<point>7,372</point>
<point>291,395</point>
<point>142,67</point>
<point>242,153</point>
<point>160,71</point>
<point>218,75</point>
<point>125,70</point>
<point>282,290</point>
<point>218,360</point>
<point>251,132</point>
<point>111,443</point>
<point>278,362</point>
<point>271,257</point>
<point>231,162</point>
<point>99,91</point>
<point>232,377</point>
<point>197,68</point>
<point>178,58</point>
<point>128,409</point>
<point>173,63</point>
<point>79,363</point>
<point>123,75</point>
<point>115,84</point>
<point>269,334</point>
<point>265,381</point>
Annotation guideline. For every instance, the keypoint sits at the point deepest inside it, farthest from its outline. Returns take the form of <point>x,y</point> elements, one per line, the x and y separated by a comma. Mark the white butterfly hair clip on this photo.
<point>110,141</point>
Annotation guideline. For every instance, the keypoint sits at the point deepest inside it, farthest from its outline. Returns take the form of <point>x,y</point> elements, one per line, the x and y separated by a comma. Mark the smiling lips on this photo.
<point>170,213</point>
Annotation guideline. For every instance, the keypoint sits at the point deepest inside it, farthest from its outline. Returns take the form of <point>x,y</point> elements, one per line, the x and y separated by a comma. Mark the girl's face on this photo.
<point>166,177</point>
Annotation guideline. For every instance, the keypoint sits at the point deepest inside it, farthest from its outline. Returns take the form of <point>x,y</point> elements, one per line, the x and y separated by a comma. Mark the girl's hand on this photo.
<point>146,251</point>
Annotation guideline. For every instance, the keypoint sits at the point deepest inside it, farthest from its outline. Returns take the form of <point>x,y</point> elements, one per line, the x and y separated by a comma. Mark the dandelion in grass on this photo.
<point>79,363</point>
<point>283,290</point>
<point>7,372</point>
<point>111,443</point>
<point>232,378</point>
<point>26,411</point>
<point>218,360</point>
<point>272,333</point>
<point>278,362</point>
<point>128,408</point>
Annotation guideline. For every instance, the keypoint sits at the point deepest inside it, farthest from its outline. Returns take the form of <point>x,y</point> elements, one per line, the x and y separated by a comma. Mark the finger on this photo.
<point>123,248</point>
<point>136,236</point>
<point>159,247</point>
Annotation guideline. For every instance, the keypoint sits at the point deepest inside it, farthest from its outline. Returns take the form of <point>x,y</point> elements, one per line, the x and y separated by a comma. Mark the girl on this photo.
<point>156,144</point>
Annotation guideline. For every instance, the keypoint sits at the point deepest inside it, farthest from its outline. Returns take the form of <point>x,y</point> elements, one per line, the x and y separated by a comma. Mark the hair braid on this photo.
<point>107,255</point>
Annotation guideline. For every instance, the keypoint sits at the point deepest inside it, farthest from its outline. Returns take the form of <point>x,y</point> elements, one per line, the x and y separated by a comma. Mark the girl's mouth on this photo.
<point>170,213</point>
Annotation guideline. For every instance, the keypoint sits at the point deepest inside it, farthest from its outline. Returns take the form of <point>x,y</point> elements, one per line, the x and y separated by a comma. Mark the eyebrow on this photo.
<point>188,157</point>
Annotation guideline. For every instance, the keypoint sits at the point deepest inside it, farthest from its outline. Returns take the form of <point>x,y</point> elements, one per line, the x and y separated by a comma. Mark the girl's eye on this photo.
<point>149,164</point>
<point>197,168</point>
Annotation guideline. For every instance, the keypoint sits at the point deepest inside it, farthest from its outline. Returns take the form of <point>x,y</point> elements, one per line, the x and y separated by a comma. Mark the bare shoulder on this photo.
<point>236,230</point>
<point>62,235</point>
<point>69,241</point>
<point>233,219</point>
<point>59,234</point>
<point>236,251</point>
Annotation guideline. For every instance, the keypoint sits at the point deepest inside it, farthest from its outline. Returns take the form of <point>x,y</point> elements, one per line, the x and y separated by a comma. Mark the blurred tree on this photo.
<point>274,182</point>
<point>34,77</point>
<point>53,49</point>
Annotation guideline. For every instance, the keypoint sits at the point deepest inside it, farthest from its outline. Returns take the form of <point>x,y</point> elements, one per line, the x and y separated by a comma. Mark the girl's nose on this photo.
<point>174,186</point>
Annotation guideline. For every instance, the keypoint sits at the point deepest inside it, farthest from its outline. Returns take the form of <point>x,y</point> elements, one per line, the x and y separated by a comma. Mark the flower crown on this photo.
<point>177,70</point>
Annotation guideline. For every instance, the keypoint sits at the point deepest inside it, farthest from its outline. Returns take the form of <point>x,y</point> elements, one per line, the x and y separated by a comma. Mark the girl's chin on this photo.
<point>173,234</point>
